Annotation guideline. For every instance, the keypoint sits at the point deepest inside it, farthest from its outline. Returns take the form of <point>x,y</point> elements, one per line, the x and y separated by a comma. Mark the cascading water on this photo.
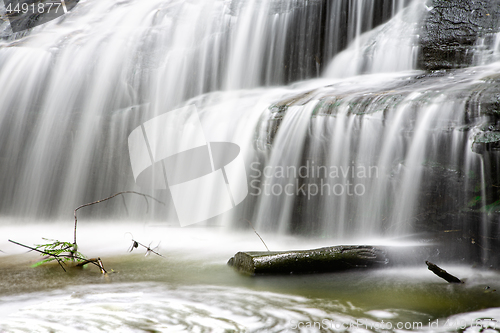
<point>386,154</point>
<point>388,48</point>
<point>344,140</point>
<point>369,153</point>
<point>76,87</point>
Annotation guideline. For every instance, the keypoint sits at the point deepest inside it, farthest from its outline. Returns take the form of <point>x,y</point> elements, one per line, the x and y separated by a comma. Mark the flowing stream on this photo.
<point>342,140</point>
<point>192,289</point>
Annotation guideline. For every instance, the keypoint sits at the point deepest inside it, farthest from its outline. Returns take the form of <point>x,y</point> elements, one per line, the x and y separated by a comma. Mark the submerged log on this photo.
<point>326,259</point>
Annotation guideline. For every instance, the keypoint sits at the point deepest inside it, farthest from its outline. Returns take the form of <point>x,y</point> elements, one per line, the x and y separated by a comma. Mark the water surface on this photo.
<point>192,289</point>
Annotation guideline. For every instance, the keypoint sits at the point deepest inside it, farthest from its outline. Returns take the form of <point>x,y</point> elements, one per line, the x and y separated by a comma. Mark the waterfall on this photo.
<point>389,48</point>
<point>74,88</point>
<point>341,135</point>
<point>381,155</point>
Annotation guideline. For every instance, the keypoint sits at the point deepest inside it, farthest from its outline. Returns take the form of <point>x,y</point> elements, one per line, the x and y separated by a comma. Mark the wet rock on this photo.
<point>480,95</point>
<point>451,30</point>
<point>486,141</point>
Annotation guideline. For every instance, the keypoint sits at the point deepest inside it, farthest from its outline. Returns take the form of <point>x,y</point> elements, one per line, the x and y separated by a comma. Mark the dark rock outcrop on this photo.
<point>451,30</point>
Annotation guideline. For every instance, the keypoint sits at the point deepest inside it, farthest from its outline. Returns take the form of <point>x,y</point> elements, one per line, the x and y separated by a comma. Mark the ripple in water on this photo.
<point>150,307</point>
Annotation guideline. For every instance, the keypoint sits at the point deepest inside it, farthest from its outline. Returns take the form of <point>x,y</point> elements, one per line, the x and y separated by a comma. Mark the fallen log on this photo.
<point>326,259</point>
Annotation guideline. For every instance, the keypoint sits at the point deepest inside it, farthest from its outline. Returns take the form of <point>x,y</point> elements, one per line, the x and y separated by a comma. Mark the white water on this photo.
<point>192,289</point>
<point>392,47</point>
<point>74,88</point>
<point>72,91</point>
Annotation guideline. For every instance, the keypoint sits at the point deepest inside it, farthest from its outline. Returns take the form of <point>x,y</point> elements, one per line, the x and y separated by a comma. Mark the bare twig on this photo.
<point>95,261</point>
<point>442,273</point>
<point>135,245</point>
<point>87,261</point>
<point>32,248</point>
<point>101,266</point>
<point>59,261</point>
<point>257,234</point>
<point>114,195</point>
<point>125,204</point>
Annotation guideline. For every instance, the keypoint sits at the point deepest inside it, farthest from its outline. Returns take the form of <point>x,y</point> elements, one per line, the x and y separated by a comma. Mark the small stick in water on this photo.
<point>101,266</point>
<point>94,261</point>
<point>257,234</point>
<point>135,245</point>
<point>442,273</point>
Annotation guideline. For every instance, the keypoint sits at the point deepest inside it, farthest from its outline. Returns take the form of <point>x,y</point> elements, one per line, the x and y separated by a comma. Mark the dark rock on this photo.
<point>451,29</point>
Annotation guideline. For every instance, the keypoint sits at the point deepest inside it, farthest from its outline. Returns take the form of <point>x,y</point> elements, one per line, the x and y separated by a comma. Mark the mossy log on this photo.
<point>326,259</point>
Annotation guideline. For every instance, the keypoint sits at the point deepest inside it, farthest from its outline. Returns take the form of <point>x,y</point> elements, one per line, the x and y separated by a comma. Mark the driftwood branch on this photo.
<point>111,197</point>
<point>442,273</point>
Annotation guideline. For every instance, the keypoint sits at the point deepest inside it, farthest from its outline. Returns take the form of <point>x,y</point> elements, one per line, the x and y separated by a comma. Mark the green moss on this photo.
<point>492,208</point>
<point>474,201</point>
